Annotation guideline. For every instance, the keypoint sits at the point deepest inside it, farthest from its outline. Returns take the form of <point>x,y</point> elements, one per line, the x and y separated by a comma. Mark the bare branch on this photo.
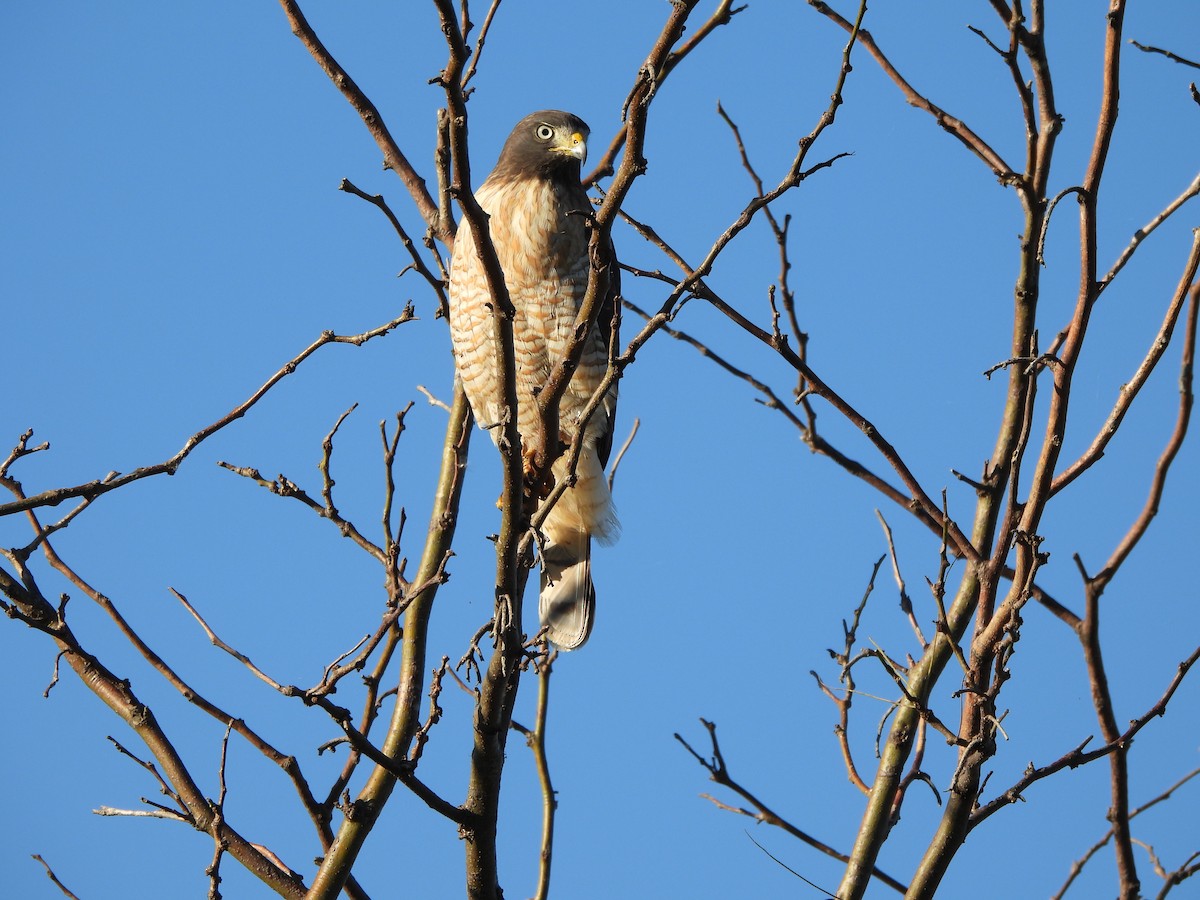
<point>722,15</point>
<point>1079,756</point>
<point>418,263</point>
<point>718,772</point>
<point>905,600</point>
<point>479,42</point>
<point>1146,230</point>
<point>393,156</point>
<point>1078,866</point>
<point>1167,53</point>
<point>54,878</point>
<point>537,742</point>
<point>955,127</point>
<point>612,470</point>
<point>93,489</point>
<point>1130,390</point>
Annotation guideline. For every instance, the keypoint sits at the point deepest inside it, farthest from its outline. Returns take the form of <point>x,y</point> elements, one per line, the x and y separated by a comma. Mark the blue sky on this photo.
<point>173,233</point>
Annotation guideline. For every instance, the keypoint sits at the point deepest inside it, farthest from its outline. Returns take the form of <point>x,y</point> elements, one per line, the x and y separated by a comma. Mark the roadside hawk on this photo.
<point>537,216</point>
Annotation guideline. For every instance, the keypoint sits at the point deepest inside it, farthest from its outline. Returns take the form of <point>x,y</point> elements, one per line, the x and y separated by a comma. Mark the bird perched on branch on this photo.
<point>538,219</point>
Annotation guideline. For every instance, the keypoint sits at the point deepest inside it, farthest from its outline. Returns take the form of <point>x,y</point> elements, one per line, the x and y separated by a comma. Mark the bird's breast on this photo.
<point>539,229</point>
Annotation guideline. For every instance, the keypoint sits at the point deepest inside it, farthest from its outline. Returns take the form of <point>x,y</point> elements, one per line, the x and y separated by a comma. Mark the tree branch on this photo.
<point>93,489</point>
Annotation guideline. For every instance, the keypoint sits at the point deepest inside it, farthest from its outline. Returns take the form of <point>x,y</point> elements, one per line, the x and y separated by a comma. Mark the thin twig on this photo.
<point>1079,756</point>
<point>92,489</point>
<point>905,601</point>
<point>479,43</point>
<point>393,156</point>
<point>537,742</point>
<point>719,773</point>
<point>612,470</point>
<point>1130,390</point>
<point>1167,53</point>
<point>1146,230</point>
<point>722,15</point>
<point>956,127</point>
<point>1079,864</point>
<point>54,878</point>
<point>418,263</point>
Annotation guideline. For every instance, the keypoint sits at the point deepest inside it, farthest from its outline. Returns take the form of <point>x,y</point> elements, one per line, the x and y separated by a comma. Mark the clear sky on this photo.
<point>172,233</point>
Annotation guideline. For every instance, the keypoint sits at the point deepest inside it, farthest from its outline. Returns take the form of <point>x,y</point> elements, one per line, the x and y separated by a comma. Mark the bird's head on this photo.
<point>550,143</point>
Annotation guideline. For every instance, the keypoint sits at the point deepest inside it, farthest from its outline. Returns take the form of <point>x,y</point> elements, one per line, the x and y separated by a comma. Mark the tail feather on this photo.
<point>568,598</point>
<point>567,604</point>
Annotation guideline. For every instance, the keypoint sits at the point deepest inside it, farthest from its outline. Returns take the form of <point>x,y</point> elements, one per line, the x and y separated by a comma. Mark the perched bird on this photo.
<point>537,216</point>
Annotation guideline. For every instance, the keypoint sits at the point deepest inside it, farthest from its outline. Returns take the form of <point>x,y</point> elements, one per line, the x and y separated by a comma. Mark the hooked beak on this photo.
<point>575,145</point>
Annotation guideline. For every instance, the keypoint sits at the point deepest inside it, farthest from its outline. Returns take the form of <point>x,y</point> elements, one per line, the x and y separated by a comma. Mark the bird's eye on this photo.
<point>544,132</point>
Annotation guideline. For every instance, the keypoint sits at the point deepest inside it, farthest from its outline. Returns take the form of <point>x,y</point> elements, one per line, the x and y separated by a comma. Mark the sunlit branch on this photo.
<point>1146,230</point>
<point>1167,53</point>
<point>418,262</point>
<point>117,694</point>
<point>719,773</point>
<point>1130,390</point>
<point>113,481</point>
<point>286,762</point>
<point>1079,864</point>
<point>956,127</point>
<point>54,878</point>
<point>722,15</point>
<point>1079,756</point>
<point>393,156</point>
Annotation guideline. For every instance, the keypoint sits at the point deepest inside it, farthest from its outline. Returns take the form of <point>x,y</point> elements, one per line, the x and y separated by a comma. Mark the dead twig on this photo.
<point>1167,53</point>
<point>719,772</point>
<point>54,878</point>
<point>93,489</point>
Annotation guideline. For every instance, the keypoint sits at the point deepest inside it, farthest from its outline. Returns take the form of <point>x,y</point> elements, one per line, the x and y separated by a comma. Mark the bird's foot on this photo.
<point>538,480</point>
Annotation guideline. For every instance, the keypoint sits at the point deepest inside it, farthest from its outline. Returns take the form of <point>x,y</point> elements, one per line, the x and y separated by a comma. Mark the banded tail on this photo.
<point>567,604</point>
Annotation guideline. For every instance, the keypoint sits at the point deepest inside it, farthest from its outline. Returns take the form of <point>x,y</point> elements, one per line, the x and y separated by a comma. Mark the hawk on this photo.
<point>537,217</point>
